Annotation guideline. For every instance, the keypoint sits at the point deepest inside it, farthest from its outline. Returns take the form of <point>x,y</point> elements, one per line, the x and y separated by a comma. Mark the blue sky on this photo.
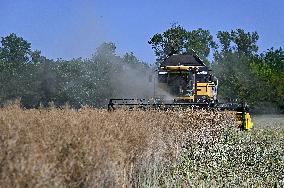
<point>75,28</point>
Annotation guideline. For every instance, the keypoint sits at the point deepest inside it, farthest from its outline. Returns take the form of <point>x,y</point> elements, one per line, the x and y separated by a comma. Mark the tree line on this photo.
<point>39,81</point>
<point>244,73</point>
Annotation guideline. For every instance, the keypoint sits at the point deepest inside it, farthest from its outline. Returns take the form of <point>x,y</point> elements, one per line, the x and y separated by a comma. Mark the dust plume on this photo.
<point>133,82</point>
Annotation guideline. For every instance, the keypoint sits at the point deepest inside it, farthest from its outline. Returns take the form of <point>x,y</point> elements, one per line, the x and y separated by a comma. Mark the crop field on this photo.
<point>52,147</point>
<point>269,121</point>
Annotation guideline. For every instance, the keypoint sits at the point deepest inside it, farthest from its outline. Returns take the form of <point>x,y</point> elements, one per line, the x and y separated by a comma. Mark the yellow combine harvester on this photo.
<point>187,82</point>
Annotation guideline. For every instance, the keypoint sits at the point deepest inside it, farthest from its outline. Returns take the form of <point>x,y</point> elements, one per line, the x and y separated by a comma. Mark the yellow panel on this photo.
<point>201,84</point>
<point>204,89</point>
<point>244,120</point>
<point>248,122</point>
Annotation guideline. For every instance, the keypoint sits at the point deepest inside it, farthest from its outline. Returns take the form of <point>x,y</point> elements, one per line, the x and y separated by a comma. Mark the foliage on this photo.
<point>245,75</point>
<point>37,80</point>
<point>245,42</point>
<point>177,40</point>
<point>269,68</point>
<point>15,50</point>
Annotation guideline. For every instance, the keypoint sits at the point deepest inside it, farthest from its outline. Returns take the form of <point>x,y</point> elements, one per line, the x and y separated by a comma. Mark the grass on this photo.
<point>54,147</point>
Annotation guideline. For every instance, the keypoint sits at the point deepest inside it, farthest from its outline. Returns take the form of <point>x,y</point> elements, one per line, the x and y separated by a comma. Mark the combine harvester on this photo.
<point>190,84</point>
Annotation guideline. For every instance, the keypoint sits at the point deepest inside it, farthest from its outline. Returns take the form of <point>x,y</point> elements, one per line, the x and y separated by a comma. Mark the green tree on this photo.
<point>21,75</point>
<point>269,69</point>
<point>177,40</point>
<point>87,81</point>
<point>245,42</point>
<point>201,42</point>
<point>170,42</point>
<point>28,75</point>
<point>14,56</point>
<point>15,50</point>
<point>132,61</point>
<point>232,65</point>
<point>225,40</point>
<point>130,58</point>
<point>36,57</point>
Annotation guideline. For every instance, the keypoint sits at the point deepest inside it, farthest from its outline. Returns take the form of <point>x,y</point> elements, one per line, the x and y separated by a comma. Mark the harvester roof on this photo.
<point>186,60</point>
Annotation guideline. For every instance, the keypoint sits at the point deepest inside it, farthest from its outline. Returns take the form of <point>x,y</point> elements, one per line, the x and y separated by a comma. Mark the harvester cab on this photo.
<point>189,80</point>
<point>190,84</point>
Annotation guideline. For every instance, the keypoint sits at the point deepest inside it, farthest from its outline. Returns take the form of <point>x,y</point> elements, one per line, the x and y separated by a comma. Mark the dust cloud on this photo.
<point>133,82</point>
<point>139,82</point>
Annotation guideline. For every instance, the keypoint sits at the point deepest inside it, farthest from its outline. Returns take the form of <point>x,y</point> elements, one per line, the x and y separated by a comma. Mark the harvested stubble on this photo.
<point>95,148</point>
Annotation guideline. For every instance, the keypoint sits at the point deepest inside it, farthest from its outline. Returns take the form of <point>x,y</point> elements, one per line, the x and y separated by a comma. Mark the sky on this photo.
<point>75,28</point>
